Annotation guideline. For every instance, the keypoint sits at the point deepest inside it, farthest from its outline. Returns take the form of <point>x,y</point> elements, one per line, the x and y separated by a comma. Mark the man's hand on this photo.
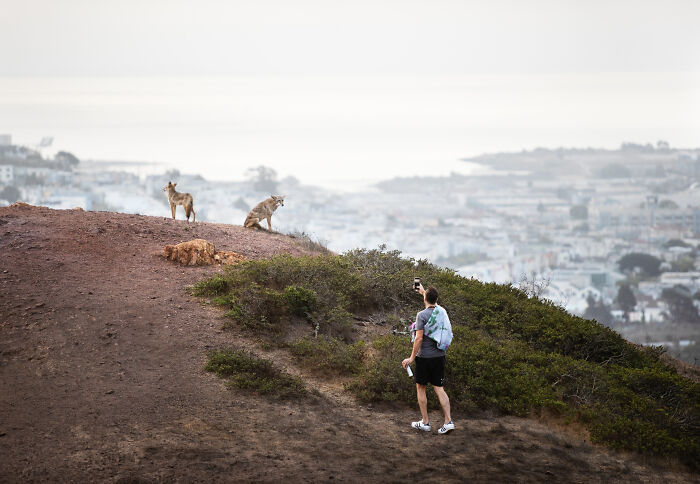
<point>420,289</point>
<point>406,362</point>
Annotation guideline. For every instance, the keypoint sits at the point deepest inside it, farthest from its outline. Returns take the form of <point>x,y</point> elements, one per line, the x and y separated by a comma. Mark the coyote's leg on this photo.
<point>194,215</point>
<point>172,210</point>
<point>269,225</point>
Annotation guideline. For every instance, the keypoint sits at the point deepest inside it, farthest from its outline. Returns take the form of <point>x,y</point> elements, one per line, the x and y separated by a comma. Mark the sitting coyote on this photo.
<point>263,210</point>
<point>176,198</point>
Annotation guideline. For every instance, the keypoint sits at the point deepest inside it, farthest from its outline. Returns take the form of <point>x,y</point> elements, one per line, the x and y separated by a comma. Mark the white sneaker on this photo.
<point>421,426</point>
<point>448,427</point>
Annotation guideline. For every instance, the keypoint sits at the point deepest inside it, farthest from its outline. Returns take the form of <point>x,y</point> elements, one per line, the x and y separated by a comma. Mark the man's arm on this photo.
<point>416,348</point>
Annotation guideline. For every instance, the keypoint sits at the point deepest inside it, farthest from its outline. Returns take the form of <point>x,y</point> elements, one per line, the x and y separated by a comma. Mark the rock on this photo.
<point>199,252</point>
<point>21,205</point>
<point>228,257</point>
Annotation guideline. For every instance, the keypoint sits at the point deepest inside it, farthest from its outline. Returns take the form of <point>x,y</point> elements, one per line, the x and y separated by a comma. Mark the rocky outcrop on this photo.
<point>228,257</point>
<point>21,205</point>
<point>200,252</point>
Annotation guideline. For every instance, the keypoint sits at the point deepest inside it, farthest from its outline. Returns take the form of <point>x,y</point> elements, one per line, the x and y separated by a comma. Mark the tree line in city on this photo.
<point>639,267</point>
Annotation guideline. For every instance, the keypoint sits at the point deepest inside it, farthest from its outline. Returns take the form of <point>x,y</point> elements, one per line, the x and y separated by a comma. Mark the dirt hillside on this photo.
<point>102,352</point>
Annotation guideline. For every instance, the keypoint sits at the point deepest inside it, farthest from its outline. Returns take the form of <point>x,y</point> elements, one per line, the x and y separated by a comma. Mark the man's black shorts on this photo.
<point>430,370</point>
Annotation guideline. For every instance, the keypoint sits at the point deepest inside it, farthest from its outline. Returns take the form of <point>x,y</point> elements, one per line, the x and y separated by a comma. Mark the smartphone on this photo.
<point>416,282</point>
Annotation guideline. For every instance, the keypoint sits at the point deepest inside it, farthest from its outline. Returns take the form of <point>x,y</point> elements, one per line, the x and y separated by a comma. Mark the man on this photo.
<point>430,363</point>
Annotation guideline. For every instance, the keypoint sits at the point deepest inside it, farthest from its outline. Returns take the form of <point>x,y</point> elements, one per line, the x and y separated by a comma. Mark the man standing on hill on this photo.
<point>433,335</point>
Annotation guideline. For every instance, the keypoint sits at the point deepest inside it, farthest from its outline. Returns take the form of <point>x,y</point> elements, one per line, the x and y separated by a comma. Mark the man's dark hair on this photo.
<point>431,295</point>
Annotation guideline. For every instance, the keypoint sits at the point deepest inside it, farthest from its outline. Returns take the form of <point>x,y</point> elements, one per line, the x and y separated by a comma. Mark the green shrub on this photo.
<point>308,242</point>
<point>480,373</point>
<point>383,379</point>
<point>326,353</point>
<point>512,353</point>
<point>334,321</point>
<point>215,285</point>
<point>246,371</point>
<point>300,301</point>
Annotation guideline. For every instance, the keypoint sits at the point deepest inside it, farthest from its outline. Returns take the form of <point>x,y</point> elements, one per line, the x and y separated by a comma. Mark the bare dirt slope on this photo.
<point>101,379</point>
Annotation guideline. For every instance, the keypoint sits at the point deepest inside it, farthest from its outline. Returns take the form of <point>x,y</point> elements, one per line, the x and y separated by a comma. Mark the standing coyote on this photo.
<point>263,210</point>
<point>176,198</point>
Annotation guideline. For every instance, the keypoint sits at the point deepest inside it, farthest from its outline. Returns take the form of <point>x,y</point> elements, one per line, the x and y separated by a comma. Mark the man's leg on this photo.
<point>422,402</point>
<point>444,402</point>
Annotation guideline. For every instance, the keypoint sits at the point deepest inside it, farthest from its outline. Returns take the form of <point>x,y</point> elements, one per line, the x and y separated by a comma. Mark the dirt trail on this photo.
<point>101,379</point>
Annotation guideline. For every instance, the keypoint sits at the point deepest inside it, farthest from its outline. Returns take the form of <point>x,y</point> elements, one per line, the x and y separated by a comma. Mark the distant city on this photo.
<point>611,235</point>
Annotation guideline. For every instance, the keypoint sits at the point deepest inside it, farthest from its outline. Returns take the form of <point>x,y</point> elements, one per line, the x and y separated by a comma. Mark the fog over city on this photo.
<point>552,145</point>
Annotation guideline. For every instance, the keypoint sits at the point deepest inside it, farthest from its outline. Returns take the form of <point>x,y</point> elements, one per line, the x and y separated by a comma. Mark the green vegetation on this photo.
<point>10,193</point>
<point>626,300</point>
<point>683,264</point>
<point>680,304</point>
<point>309,242</point>
<point>579,212</point>
<point>637,262</point>
<point>599,311</point>
<point>246,371</point>
<point>512,353</point>
<point>676,243</point>
<point>325,354</point>
<point>670,204</point>
<point>263,179</point>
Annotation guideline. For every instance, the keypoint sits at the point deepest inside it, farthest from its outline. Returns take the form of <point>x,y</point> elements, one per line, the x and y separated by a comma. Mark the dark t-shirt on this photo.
<point>428,347</point>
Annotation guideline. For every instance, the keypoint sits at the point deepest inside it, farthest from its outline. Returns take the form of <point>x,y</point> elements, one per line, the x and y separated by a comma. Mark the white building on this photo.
<point>690,280</point>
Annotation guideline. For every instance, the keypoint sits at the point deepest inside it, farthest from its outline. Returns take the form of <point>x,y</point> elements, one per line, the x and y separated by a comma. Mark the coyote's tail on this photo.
<point>190,209</point>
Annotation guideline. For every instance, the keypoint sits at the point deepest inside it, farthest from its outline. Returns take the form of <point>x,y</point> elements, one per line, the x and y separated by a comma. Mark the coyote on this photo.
<point>176,198</point>
<point>263,210</point>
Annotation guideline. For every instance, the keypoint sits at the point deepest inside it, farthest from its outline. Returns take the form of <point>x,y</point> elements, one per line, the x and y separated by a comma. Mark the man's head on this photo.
<point>431,295</point>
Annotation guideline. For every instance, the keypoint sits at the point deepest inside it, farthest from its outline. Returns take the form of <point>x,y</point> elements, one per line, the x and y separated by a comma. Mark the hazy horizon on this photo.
<point>345,90</point>
<point>330,129</point>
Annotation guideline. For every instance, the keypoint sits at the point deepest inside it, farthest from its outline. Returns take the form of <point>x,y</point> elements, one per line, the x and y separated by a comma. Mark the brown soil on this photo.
<point>102,352</point>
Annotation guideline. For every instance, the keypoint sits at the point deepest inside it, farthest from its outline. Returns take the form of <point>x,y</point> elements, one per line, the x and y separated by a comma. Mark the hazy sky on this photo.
<point>341,89</point>
<point>355,37</point>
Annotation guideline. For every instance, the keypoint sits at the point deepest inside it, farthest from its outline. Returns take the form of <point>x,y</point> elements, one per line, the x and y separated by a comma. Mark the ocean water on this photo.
<point>344,132</point>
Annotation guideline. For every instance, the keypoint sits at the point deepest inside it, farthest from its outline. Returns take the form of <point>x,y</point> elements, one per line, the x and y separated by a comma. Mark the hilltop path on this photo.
<point>102,352</point>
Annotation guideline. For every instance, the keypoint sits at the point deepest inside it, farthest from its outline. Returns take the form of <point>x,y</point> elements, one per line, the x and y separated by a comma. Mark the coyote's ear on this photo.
<point>174,184</point>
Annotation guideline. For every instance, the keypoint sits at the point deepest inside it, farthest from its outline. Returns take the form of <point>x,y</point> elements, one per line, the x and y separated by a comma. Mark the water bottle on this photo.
<point>409,371</point>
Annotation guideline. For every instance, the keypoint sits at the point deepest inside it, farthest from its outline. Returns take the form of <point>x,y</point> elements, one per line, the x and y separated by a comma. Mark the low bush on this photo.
<point>650,410</point>
<point>300,301</point>
<point>215,285</point>
<point>309,242</point>
<point>512,353</point>
<point>480,373</point>
<point>248,372</point>
<point>383,379</point>
<point>326,354</point>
